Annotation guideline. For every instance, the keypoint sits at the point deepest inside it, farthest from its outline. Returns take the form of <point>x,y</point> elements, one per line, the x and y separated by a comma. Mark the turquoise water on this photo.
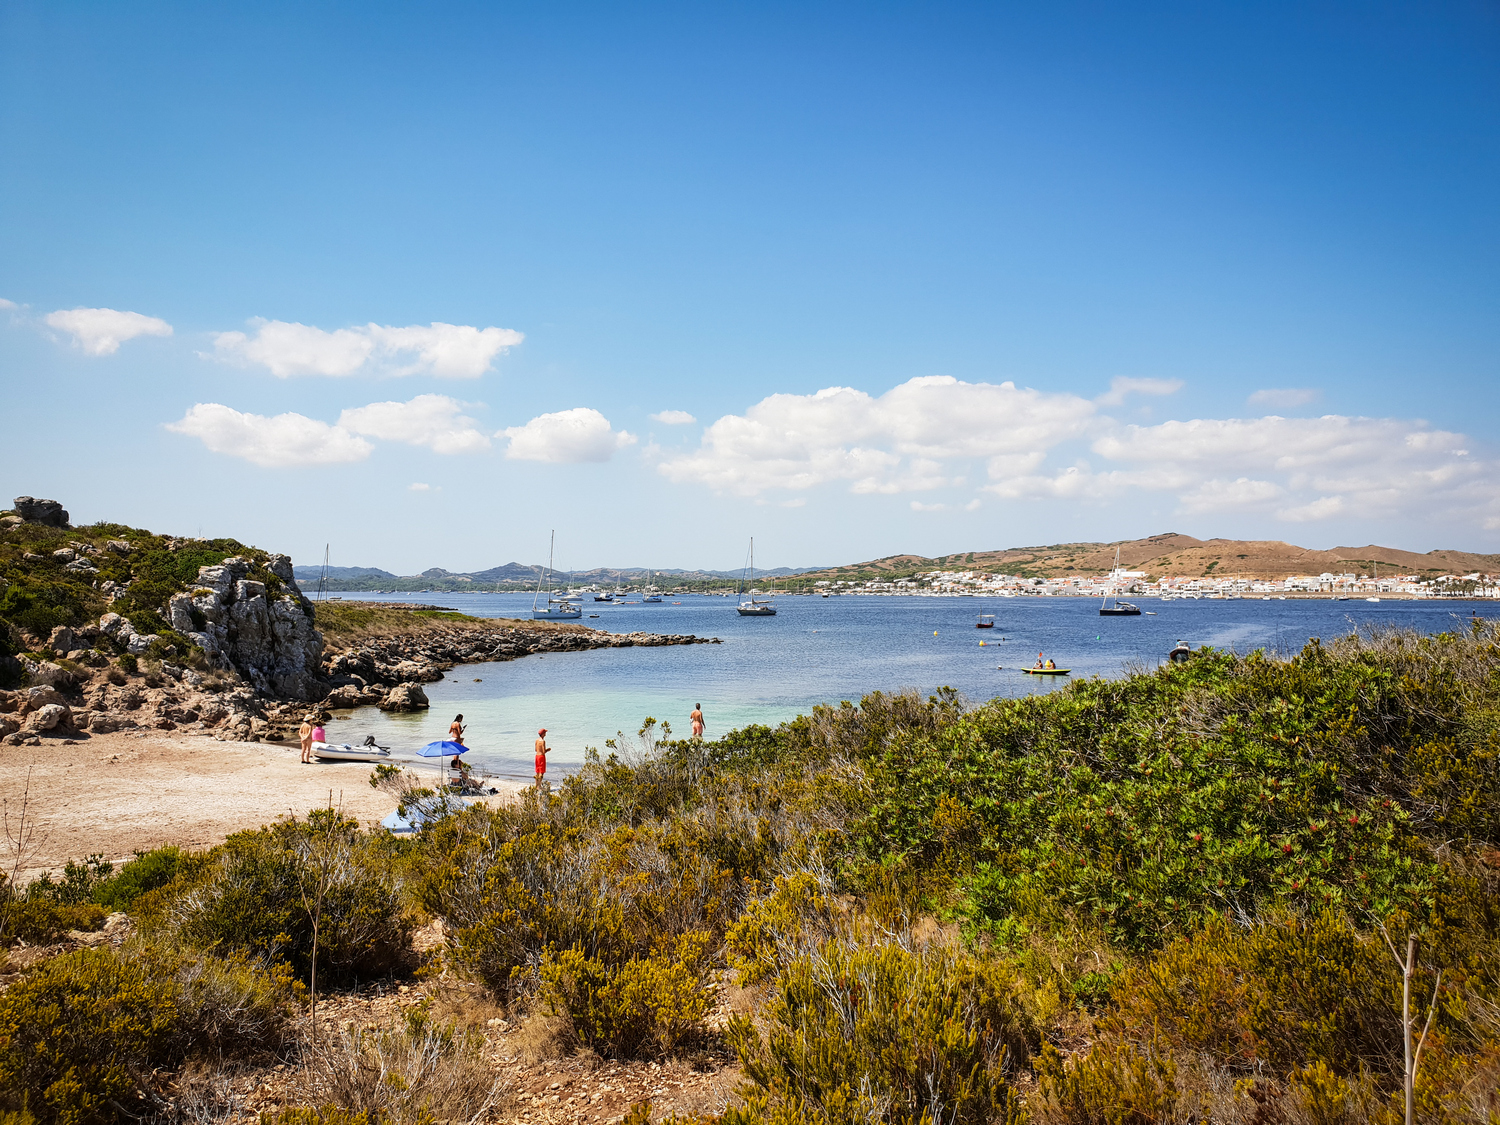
<point>820,650</point>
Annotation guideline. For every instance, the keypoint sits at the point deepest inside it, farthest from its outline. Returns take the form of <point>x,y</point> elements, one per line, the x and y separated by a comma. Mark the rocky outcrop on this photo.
<point>405,697</point>
<point>48,512</point>
<point>268,638</point>
<point>374,671</point>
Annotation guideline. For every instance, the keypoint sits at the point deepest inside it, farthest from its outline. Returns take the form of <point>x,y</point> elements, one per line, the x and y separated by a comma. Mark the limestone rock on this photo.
<point>405,697</point>
<point>47,674</point>
<point>39,697</point>
<point>50,717</point>
<point>65,554</point>
<point>8,725</point>
<point>48,512</point>
<point>269,640</point>
<point>63,641</point>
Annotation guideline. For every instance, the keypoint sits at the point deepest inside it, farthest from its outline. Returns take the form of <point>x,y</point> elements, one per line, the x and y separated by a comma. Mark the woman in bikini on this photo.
<point>697,719</point>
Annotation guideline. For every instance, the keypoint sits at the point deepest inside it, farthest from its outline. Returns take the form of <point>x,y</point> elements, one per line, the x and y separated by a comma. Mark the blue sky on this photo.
<point>424,282</point>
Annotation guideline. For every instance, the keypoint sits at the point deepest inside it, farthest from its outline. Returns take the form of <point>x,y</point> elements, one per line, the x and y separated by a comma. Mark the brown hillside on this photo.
<point>1173,554</point>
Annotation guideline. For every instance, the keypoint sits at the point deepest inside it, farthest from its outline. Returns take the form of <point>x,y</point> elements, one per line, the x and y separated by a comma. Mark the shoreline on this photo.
<point>113,794</point>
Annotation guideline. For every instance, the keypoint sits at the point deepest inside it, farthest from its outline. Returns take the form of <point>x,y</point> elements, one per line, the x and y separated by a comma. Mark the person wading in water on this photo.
<point>697,719</point>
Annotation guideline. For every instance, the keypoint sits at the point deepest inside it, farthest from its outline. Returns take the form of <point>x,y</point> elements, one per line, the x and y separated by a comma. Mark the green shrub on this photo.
<point>146,872</point>
<point>39,601</point>
<point>1112,1084</point>
<point>250,898</point>
<point>757,940</point>
<point>1285,995</point>
<point>79,1032</point>
<point>42,920</point>
<point>878,1033</point>
<point>226,1005</point>
<point>80,877</point>
<point>129,663</point>
<point>646,1007</point>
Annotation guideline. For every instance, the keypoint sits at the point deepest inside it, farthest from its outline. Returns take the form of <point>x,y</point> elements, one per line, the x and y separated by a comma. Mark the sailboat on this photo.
<point>556,609</point>
<point>752,606</point>
<point>1119,609</point>
<point>651,593</point>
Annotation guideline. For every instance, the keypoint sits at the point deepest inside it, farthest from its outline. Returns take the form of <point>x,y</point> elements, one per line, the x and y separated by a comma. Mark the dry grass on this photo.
<point>418,1073</point>
<point>544,1036</point>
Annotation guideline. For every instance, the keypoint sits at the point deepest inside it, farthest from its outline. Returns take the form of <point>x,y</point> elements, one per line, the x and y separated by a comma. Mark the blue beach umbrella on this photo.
<point>442,750</point>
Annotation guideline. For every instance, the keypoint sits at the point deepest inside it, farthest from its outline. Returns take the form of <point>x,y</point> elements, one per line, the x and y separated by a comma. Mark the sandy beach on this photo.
<point>118,793</point>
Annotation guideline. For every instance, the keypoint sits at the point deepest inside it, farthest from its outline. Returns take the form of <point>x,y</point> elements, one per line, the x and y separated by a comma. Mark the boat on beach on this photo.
<point>343,752</point>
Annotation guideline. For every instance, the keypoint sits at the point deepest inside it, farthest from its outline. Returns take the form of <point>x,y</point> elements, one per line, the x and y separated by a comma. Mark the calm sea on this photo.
<point>819,650</point>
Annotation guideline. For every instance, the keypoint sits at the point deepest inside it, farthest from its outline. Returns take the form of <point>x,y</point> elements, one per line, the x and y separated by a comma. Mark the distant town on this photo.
<point>1137,582</point>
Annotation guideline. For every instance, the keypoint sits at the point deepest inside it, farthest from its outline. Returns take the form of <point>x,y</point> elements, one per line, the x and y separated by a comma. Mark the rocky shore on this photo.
<point>388,671</point>
<point>231,648</point>
<point>254,648</point>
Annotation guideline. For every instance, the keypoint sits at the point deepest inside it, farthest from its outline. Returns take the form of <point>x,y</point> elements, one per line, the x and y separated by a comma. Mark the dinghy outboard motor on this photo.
<point>370,741</point>
<point>1180,654</point>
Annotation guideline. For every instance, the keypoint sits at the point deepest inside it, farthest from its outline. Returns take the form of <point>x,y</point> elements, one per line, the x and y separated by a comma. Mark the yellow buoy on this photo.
<point>934,632</point>
<point>981,644</point>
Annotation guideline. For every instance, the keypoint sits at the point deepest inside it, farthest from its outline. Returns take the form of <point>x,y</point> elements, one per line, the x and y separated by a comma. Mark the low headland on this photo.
<point>108,628</point>
<point>1240,888</point>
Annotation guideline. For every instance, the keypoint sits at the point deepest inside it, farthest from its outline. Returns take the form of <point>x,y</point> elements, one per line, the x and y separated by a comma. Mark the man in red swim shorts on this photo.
<point>541,754</point>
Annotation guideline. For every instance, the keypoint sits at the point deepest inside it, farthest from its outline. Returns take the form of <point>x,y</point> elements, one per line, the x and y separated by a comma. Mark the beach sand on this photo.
<point>114,794</point>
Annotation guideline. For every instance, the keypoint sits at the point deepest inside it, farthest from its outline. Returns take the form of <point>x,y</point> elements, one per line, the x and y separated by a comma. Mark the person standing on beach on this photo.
<point>541,755</point>
<point>318,733</point>
<point>697,718</point>
<point>304,736</point>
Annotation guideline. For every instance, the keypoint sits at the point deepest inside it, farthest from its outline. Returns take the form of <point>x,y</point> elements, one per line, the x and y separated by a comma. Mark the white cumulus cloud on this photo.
<point>279,441</point>
<point>896,442</point>
<point>674,418</point>
<point>4,304</point>
<point>436,421</point>
<point>102,331</point>
<point>570,436</point>
<point>285,348</point>
<point>1302,468</point>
